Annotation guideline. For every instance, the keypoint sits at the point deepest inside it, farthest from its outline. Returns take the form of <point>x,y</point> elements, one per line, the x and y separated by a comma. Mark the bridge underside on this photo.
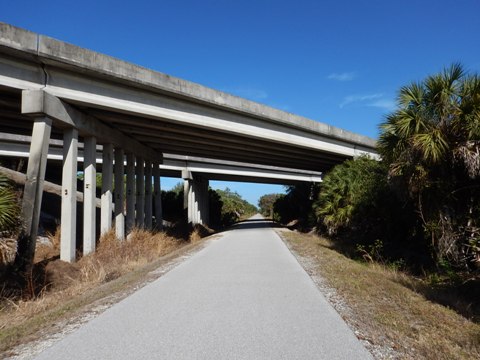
<point>69,98</point>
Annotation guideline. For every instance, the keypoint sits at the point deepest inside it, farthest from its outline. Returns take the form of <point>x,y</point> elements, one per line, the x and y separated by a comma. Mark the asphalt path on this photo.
<point>244,296</point>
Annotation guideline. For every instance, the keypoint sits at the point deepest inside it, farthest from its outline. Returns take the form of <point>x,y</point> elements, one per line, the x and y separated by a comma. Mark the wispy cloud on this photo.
<point>377,100</point>
<point>346,76</point>
<point>386,104</point>
<point>359,99</point>
<point>251,93</point>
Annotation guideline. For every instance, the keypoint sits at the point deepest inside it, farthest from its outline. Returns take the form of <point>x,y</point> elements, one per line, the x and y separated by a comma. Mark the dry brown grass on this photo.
<point>64,281</point>
<point>387,311</point>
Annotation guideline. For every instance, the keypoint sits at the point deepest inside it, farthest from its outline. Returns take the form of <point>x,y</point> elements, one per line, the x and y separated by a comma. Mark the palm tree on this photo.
<point>9,209</point>
<point>432,145</point>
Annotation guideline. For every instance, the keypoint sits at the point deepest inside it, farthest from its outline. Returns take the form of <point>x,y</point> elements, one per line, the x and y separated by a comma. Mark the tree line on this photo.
<point>419,204</point>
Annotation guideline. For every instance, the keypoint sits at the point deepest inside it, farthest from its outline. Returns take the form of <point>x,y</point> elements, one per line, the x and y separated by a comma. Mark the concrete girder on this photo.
<point>165,142</point>
<point>213,169</point>
<point>41,102</point>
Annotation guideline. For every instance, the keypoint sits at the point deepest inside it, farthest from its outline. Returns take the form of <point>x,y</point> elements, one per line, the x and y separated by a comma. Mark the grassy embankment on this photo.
<point>387,306</point>
<point>66,291</point>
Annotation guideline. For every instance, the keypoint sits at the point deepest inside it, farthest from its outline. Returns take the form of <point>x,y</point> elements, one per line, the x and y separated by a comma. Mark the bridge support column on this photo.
<point>107,198</point>
<point>140,191</point>
<point>33,191</point>
<point>205,202</point>
<point>195,202</point>
<point>130,219</point>
<point>119,194</point>
<point>195,198</point>
<point>89,194</point>
<point>68,227</point>
<point>148,195</point>
<point>157,196</point>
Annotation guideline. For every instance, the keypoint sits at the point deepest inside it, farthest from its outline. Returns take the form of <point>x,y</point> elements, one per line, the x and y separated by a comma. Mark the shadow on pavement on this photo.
<point>255,224</point>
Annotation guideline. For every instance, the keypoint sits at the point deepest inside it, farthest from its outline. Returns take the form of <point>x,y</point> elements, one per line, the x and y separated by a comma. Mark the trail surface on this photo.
<point>244,296</point>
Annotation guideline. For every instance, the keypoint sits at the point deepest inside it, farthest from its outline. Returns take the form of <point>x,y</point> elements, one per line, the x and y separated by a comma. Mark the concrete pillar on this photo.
<point>140,187</point>
<point>207,203</point>
<point>89,194</point>
<point>186,200</point>
<point>106,199</point>
<point>130,219</point>
<point>68,225</point>
<point>196,202</point>
<point>119,194</point>
<point>157,196</point>
<point>32,194</point>
<point>148,195</point>
<point>191,203</point>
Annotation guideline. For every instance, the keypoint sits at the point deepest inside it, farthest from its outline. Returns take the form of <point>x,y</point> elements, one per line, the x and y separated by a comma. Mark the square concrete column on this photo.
<point>119,194</point>
<point>186,200</point>
<point>107,198</point>
<point>32,194</point>
<point>68,226</point>
<point>206,203</point>
<point>130,191</point>
<point>196,198</point>
<point>140,187</point>
<point>157,196</point>
<point>89,194</point>
<point>148,195</point>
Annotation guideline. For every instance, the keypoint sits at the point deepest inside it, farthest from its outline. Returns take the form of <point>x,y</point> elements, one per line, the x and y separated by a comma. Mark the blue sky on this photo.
<point>339,62</point>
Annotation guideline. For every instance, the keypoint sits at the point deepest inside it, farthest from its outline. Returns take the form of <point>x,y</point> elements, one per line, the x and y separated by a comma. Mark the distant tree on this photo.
<point>296,204</point>
<point>266,202</point>
<point>234,207</point>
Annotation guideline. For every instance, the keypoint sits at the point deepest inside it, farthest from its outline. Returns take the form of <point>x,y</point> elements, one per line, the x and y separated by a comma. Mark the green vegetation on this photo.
<point>431,145</point>
<point>418,208</point>
<point>9,208</point>
<point>225,206</point>
<point>396,314</point>
<point>234,208</point>
<point>266,203</point>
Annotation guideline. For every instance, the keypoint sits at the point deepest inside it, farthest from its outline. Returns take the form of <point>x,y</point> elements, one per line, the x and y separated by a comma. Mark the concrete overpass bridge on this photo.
<point>52,91</point>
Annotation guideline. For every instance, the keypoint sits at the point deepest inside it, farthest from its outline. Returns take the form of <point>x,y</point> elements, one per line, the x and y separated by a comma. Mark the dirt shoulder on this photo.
<point>27,338</point>
<point>393,321</point>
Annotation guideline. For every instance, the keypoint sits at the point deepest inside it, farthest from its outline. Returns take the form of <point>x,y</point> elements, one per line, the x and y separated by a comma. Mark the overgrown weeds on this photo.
<point>390,308</point>
<point>57,282</point>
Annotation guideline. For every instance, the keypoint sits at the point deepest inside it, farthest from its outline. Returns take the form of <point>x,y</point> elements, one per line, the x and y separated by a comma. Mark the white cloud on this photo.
<point>346,76</point>
<point>372,100</point>
<point>359,99</point>
<point>386,104</point>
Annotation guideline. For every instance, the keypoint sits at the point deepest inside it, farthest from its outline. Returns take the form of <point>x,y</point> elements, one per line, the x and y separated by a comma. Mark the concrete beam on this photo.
<point>36,102</point>
<point>89,191</point>
<point>68,228</point>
